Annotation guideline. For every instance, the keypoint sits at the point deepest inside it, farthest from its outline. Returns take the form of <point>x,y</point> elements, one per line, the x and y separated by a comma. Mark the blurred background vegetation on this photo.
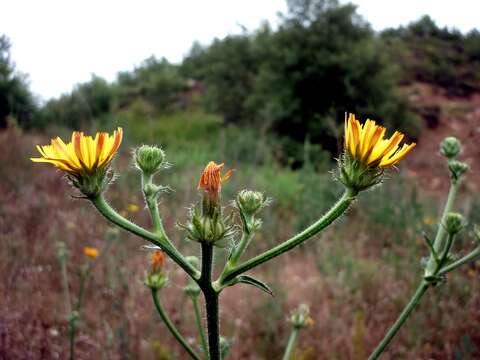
<point>271,104</point>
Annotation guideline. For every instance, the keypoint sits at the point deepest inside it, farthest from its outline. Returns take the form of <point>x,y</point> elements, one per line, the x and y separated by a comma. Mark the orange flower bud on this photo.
<point>211,179</point>
<point>157,261</point>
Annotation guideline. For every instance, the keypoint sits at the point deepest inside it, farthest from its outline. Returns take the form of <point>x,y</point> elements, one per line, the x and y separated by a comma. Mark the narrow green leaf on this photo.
<point>252,281</point>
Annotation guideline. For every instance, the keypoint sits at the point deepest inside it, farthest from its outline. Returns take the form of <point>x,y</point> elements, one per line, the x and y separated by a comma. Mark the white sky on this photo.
<point>62,42</point>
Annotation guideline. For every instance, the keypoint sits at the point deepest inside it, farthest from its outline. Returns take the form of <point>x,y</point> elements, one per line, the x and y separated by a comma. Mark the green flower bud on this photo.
<point>250,202</point>
<point>192,289</point>
<point>156,281</point>
<point>212,230</point>
<point>457,168</point>
<point>450,147</point>
<point>62,251</point>
<point>454,223</point>
<point>149,159</point>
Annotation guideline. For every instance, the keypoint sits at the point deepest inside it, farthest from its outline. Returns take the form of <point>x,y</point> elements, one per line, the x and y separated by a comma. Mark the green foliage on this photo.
<point>440,56</point>
<point>15,97</point>
<point>151,89</point>
<point>86,103</point>
<point>299,80</point>
<point>155,81</point>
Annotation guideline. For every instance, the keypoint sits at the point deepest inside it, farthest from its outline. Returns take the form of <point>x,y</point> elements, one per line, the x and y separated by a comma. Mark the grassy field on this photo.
<point>356,277</point>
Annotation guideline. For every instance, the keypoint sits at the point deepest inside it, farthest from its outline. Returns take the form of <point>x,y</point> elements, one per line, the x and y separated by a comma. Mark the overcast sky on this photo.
<point>62,42</point>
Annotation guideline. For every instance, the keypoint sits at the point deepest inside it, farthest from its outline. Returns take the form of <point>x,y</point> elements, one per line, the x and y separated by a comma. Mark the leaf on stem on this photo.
<point>252,281</point>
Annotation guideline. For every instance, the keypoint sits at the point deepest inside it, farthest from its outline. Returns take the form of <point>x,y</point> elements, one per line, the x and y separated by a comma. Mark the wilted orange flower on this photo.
<point>366,144</point>
<point>83,154</point>
<point>91,252</point>
<point>211,179</point>
<point>157,261</point>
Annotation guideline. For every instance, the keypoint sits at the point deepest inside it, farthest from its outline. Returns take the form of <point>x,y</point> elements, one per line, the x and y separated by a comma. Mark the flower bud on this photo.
<point>300,317</point>
<point>156,278</point>
<point>62,251</point>
<point>156,281</point>
<point>250,202</point>
<point>207,229</point>
<point>149,159</point>
<point>450,147</point>
<point>454,223</point>
<point>192,289</point>
<point>457,168</point>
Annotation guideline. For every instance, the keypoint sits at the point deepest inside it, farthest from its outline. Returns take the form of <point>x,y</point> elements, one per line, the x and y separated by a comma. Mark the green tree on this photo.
<point>15,97</point>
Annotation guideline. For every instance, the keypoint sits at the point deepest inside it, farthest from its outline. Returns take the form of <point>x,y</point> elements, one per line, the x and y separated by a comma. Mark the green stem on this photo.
<point>198,320</point>
<point>71,333</point>
<point>466,259</point>
<point>75,315</point>
<point>422,288</point>
<point>244,241</point>
<point>171,327</point>
<point>292,341</point>
<point>336,211</point>
<point>152,204</point>
<point>108,212</point>
<point>211,302</point>
<point>439,241</point>
<point>65,284</point>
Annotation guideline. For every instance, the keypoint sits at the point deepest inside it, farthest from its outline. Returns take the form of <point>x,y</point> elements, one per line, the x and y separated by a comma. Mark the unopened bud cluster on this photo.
<point>249,203</point>
<point>149,159</point>
<point>450,148</point>
<point>208,229</point>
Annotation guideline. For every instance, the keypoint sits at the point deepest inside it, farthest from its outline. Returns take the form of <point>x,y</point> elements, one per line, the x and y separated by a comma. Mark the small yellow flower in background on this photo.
<point>428,220</point>
<point>367,145</point>
<point>83,154</point>
<point>133,208</point>
<point>91,252</point>
<point>211,179</point>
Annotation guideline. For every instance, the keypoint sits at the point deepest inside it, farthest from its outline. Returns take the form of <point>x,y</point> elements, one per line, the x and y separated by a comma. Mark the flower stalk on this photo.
<point>110,214</point>
<point>329,217</point>
<point>414,301</point>
<point>171,327</point>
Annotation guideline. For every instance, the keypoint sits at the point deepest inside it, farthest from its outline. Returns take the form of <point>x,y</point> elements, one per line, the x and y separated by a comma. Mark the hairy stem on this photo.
<point>439,241</point>
<point>171,327</point>
<point>335,212</point>
<point>211,302</point>
<point>108,212</point>
<point>422,288</point>
<point>466,259</point>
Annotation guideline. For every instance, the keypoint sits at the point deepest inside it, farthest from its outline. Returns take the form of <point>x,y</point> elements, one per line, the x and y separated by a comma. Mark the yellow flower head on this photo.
<point>367,145</point>
<point>211,179</point>
<point>90,252</point>
<point>83,154</point>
